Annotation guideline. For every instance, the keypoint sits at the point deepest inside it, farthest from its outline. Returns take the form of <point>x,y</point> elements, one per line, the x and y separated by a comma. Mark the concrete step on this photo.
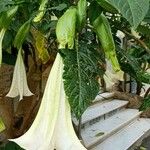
<point>103,96</point>
<point>101,111</point>
<point>101,130</point>
<point>128,137</point>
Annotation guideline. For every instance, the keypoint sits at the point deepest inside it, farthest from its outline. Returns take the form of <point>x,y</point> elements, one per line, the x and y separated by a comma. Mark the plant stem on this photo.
<point>139,41</point>
<point>147,92</point>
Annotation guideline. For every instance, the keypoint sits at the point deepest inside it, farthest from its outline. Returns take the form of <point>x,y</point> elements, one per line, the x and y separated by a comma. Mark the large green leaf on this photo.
<point>147,17</point>
<point>6,17</point>
<point>21,34</point>
<point>80,77</point>
<point>4,5</point>
<point>94,11</point>
<point>133,10</point>
<point>107,6</point>
<point>81,13</point>
<point>11,146</point>
<point>103,31</point>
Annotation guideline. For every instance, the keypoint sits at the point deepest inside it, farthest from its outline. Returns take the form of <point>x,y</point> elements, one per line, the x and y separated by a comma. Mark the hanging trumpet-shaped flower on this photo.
<point>52,128</point>
<point>2,33</point>
<point>19,83</point>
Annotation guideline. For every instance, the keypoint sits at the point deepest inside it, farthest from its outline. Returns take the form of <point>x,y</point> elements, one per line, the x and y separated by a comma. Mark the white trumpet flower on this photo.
<point>19,85</point>
<point>111,77</point>
<point>52,127</point>
<point>2,33</point>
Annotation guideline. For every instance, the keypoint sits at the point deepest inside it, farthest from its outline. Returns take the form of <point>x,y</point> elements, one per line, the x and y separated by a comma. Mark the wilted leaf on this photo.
<point>99,134</point>
<point>40,44</point>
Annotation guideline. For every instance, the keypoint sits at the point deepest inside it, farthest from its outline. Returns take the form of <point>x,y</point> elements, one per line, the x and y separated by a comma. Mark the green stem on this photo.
<point>79,77</point>
<point>79,69</point>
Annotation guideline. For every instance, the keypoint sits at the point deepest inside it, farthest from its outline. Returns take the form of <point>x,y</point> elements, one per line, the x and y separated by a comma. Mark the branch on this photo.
<point>147,92</point>
<point>139,41</point>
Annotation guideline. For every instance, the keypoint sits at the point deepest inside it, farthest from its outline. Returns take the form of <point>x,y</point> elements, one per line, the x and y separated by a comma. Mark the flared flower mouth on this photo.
<point>19,85</point>
<point>52,127</point>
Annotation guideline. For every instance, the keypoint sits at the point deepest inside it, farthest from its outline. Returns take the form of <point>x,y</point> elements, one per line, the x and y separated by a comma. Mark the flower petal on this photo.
<point>52,127</point>
<point>19,83</point>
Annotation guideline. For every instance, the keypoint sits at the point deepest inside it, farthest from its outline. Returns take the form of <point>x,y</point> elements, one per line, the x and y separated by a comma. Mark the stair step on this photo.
<point>102,109</point>
<point>99,131</point>
<point>103,96</point>
<point>128,137</point>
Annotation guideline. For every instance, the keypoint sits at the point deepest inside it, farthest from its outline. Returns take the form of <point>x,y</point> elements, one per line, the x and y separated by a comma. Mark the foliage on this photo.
<point>132,65</point>
<point>146,103</point>
<point>11,146</point>
<point>88,26</point>
<point>133,10</point>
<point>81,70</point>
<point>66,32</point>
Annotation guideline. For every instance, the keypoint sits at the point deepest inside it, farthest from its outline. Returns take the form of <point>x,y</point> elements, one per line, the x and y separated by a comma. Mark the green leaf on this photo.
<point>60,7</point>
<point>42,10</point>
<point>132,66</point>
<point>2,125</point>
<point>144,29</point>
<point>146,103</point>
<point>21,34</point>
<point>80,77</point>
<point>4,5</point>
<point>147,17</point>
<point>6,17</point>
<point>94,11</point>
<point>107,6</point>
<point>133,10</point>
<point>103,31</point>
<point>81,13</point>
<point>11,146</point>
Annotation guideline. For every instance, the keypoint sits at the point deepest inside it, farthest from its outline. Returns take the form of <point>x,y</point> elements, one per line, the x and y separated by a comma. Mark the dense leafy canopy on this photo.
<point>33,27</point>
